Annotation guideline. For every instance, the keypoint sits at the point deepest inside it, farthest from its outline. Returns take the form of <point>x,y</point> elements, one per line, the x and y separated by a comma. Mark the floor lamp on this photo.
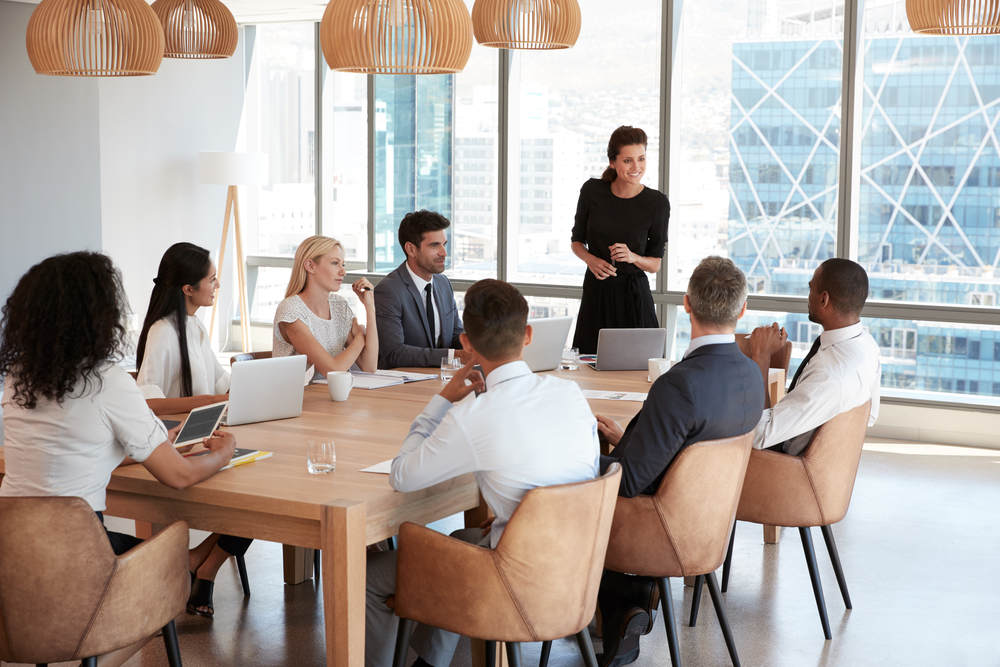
<point>233,169</point>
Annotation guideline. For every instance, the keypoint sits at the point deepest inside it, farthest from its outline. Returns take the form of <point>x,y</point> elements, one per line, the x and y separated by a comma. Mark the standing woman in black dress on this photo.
<point>620,233</point>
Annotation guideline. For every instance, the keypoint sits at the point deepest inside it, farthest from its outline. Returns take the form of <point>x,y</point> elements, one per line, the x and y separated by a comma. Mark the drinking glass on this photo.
<point>321,456</point>
<point>448,368</point>
<point>571,359</point>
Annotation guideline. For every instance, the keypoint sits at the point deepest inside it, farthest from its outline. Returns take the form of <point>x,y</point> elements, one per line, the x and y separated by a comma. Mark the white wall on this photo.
<point>50,174</point>
<point>151,130</point>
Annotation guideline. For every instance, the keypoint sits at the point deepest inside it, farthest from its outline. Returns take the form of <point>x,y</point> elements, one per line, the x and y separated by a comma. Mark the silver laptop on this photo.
<point>629,349</point>
<point>548,339</point>
<point>266,389</point>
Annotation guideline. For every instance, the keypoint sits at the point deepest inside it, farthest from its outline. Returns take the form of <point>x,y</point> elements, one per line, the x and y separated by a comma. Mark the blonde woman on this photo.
<point>314,321</point>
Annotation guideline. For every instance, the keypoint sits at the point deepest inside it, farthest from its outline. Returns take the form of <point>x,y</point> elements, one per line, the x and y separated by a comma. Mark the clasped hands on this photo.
<point>619,253</point>
<point>765,341</point>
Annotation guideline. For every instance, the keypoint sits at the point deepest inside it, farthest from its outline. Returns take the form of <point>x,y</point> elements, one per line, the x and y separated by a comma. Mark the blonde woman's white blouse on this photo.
<point>160,372</point>
<point>331,334</point>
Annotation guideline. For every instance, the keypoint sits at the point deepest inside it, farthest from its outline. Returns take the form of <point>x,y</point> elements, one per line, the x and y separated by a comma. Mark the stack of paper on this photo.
<point>615,395</point>
<point>379,379</point>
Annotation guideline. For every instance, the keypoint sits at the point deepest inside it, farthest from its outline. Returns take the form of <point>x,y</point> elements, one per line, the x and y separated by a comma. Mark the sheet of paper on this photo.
<point>369,381</point>
<point>614,395</point>
<point>383,468</point>
<point>406,376</point>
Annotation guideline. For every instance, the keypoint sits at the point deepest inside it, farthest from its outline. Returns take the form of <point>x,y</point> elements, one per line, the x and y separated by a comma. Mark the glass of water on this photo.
<point>321,456</point>
<point>448,368</point>
<point>571,359</point>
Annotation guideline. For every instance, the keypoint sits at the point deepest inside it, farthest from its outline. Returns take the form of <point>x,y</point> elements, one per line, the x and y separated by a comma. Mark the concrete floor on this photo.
<point>920,548</point>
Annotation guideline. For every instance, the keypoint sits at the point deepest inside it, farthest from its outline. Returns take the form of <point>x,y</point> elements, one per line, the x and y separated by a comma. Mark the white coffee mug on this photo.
<point>339,384</point>
<point>658,367</point>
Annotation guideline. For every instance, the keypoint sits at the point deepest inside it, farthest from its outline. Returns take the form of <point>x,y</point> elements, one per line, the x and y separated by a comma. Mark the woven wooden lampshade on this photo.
<point>396,36</point>
<point>197,28</point>
<point>954,17</point>
<point>526,24</point>
<point>94,38</point>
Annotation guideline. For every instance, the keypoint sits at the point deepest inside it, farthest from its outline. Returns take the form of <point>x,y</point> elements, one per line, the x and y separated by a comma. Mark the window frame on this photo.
<point>848,198</point>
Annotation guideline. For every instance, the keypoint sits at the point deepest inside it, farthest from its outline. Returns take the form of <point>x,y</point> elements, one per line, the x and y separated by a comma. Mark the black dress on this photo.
<point>623,301</point>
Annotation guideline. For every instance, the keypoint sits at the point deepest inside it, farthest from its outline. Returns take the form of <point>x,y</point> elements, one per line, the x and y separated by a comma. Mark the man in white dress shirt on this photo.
<point>841,371</point>
<point>525,431</point>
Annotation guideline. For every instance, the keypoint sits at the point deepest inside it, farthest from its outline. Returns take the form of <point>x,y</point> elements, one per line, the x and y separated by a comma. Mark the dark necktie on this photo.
<point>430,313</point>
<point>812,353</point>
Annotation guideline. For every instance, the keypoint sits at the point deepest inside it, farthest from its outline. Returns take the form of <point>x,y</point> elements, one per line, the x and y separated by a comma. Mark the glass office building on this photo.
<point>928,226</point>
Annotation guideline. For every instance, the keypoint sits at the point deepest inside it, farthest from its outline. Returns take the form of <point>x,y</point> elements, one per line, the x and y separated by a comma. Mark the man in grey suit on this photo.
<point>415,305</point>
<point>714,392</point>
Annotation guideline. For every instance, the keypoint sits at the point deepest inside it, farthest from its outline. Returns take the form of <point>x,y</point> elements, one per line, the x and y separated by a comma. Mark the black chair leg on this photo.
<point>699,583</point>
<point>727,565</point>
<point>89,662</point>
<point>170,643</point>
<point>720,611</point>
<point>807,547</point>
<point>831,547</point>
<point>586,648</point>
<point>403,643</point>
<point>491,654</point>
<point>241,565</point>
<point>669,623</point>
<point>317,563</point>
<point>543,661</point>
<point>513,654</point>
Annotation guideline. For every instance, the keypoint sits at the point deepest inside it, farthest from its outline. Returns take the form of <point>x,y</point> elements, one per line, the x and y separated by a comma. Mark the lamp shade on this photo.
<point>232,168</point>
<point>954,17</point>
<point>197,28</point>
<point>94,38</point>
<point>396,36</point>
<point>526,24</point>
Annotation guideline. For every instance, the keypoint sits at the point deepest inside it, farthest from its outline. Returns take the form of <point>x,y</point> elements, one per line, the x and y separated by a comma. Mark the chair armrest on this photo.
<point>777,491</point>
<point>450,584</point>
<point>148,589</point>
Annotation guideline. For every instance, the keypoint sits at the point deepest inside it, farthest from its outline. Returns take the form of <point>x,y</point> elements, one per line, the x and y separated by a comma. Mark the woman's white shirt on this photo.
<point>71,448</point>
<point>160,372</point>
<point>331,334</point>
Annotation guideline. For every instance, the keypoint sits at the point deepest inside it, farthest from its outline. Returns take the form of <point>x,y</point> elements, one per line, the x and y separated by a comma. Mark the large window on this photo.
<point>754,177</point>
<point>564,105</point>
<point>774,148</point>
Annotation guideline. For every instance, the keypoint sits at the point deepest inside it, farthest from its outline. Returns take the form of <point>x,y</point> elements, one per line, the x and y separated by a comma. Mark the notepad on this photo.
<point>383,468</point>
<point>614,395</point>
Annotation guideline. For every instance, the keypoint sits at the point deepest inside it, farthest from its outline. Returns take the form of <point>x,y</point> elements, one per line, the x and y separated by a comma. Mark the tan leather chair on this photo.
<point>249,356</point>
<point>809,490</point>
<point>65,595</point>
<point>533,587</point>
<point>681,531</point>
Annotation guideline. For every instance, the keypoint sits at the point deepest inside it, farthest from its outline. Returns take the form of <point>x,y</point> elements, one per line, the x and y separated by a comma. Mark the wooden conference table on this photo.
<point>277,500</point>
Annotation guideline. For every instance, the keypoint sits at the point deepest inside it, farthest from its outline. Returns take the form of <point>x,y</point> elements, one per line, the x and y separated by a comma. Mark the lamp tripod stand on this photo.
<point>233,205</point>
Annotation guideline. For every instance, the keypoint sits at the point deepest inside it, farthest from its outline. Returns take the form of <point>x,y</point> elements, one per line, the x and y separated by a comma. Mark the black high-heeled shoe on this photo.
<point>201,596</point>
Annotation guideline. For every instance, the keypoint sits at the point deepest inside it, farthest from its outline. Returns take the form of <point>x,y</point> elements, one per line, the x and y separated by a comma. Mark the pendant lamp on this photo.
<point>526,24</point>
<point>954,17</point>
<point>94,38</point>
<point>396,36</point>
<point>197,28</point>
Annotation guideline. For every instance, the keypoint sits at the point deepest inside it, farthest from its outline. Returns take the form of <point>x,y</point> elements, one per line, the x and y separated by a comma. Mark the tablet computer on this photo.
<point>201,423</point>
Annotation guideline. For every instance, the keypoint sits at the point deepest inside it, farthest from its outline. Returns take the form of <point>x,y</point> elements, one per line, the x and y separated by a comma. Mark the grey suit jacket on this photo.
<point>715,392</point>
<point>404,335</point>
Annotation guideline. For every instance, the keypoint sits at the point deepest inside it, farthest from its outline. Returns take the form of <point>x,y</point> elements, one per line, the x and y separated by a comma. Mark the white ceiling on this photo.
<point>259,11</point>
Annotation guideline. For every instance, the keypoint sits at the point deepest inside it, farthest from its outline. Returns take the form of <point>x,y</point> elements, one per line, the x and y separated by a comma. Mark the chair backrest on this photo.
<point>832,458</point>
<point>249,356</point>
<point>65,595</point>
<point>780,359</point>
<point>551,553</point>
<point>683,529</point>
<point>57,562</point>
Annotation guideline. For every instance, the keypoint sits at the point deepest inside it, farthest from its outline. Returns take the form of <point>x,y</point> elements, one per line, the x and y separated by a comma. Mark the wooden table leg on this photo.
<point>145,530</point>
<point>342,535</point>
<point>298,564</point>
<point>772,534</point>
